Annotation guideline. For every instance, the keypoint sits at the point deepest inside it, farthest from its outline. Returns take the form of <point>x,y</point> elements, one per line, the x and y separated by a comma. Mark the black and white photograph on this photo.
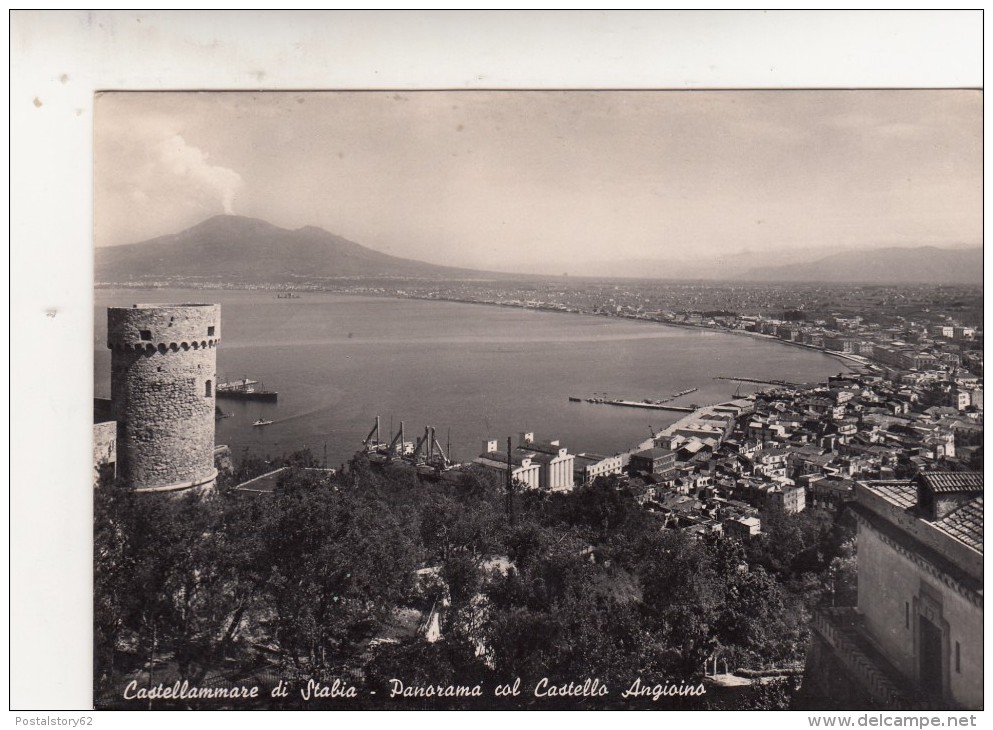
<point>536,399</point>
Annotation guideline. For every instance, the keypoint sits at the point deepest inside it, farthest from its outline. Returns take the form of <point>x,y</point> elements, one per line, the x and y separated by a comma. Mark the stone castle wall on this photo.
<point>104,450</point>
<point>163,381</point>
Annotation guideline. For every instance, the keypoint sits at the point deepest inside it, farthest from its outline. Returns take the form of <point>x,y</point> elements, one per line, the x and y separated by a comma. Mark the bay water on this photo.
<point>472,371</point>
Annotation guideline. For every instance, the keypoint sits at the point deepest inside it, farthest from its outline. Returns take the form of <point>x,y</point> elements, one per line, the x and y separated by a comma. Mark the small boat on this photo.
<point>575,400</point>
<point>262,422</point>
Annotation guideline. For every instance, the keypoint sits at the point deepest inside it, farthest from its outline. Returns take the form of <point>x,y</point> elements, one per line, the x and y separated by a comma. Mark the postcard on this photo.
<point>503,396</point>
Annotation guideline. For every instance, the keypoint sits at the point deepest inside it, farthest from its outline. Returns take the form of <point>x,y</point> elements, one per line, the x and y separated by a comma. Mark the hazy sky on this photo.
<point>554,179</point>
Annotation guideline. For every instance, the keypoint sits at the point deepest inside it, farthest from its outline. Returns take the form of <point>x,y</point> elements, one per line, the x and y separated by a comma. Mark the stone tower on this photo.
<point>163,380</point>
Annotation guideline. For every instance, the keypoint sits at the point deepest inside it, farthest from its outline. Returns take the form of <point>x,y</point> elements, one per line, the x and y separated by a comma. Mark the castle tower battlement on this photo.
<point>163,382</point>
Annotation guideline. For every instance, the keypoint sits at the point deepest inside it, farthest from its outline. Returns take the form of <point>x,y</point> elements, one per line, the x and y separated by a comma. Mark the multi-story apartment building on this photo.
<point>588,467</point>
<point>657,461</point>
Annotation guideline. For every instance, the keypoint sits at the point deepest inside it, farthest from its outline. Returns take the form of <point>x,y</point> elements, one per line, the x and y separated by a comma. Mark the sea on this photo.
<point>473,372</point>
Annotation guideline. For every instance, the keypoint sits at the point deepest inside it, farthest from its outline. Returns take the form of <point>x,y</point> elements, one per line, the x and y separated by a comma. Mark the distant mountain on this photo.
<point>702,264</point>
<point>239,249</point>
<point>926,264</point>
<point>236,249</point>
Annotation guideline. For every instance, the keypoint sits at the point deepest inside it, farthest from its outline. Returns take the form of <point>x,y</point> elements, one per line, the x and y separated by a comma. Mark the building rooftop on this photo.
<point>264,484</point>
<point>964,524</point>
<point>546,447</point>
<point>103,410</point>
<point>545,458</point>
<point>834,484</point>
<point>499,458</point>
<point>749,521</point>
<point>903,494</point>
<point>952,481</point>
<point>656,452</point>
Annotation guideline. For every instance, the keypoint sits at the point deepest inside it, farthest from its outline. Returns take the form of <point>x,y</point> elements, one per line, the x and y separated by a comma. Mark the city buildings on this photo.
<point>742,528</point>
<point>656,461</point>
<point>523,470</point>
<point>555,463</point>
<point>536,464</point>
<point>588,467</point>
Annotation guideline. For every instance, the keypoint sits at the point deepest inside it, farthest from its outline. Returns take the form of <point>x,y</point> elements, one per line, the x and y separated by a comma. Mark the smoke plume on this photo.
<point>190,164</point>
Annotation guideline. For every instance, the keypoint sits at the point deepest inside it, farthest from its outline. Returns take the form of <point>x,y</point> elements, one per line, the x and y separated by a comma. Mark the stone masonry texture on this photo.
<point>163,380</point>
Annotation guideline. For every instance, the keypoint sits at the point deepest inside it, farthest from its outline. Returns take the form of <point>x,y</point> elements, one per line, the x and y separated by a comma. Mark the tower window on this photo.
<point>210,331</point>
<point>958,658</point>
<point>906,617</point>
<point>146,334</point>
<point>207,391</point>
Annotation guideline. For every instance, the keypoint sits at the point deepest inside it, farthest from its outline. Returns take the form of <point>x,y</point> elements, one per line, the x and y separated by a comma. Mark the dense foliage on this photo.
<point>330,576</point>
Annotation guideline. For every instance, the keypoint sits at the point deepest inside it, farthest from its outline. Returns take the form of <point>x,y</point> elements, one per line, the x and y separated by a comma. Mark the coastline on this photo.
<point>852,362</point>
<point>858,361</point>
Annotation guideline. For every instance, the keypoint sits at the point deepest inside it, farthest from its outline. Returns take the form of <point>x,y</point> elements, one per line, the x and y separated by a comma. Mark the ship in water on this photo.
<point>246,389</point>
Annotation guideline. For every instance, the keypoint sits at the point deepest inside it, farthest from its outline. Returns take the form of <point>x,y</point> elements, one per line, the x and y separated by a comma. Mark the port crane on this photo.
<point>433,455</point>
<point>383,451</point>
<point>398,446</point>
<point>372,444</point>
<point>426,453</point>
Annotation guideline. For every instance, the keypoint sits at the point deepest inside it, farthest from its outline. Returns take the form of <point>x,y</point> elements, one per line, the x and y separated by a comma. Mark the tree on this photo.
<point>340,565</point>
<point>449,526</point>
<point>682,593</point>
<point>791,544</point>
<point>565,619</point>
<point>418,662</point>
<point>159,579</point>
